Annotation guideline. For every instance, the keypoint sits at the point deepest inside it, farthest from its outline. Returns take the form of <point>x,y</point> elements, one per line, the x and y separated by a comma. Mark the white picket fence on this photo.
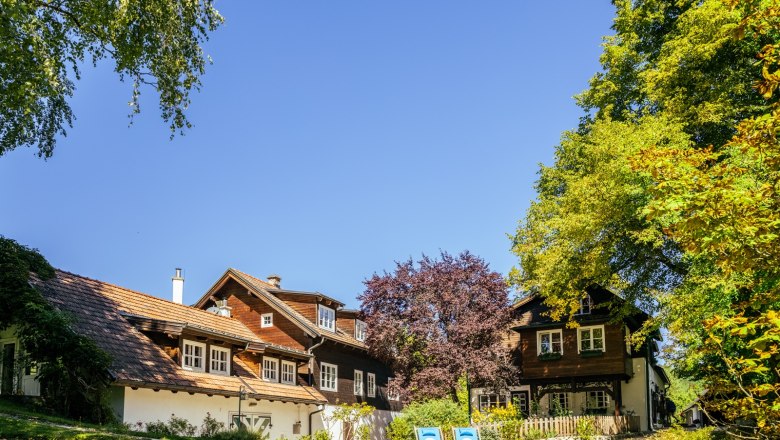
<point>567,426</point>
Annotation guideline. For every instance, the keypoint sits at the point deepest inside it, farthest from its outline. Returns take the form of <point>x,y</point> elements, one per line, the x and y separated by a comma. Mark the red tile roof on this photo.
<point>98,307</point>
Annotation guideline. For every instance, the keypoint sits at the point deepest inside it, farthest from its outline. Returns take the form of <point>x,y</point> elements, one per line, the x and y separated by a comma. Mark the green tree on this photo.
<point>667,193</point>
<point>44,43</point>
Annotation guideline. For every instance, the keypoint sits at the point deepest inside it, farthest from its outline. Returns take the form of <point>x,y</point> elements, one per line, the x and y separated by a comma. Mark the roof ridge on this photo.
<point>253,277</point>
<point>137,292</point>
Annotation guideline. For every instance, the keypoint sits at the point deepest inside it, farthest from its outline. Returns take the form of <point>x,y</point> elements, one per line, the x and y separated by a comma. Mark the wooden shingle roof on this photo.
<point>99,311</point>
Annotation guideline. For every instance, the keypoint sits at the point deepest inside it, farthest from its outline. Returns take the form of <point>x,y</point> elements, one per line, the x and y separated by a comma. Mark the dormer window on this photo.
<point>360,330</point>
<point>327,318</point>
<point>220,361</point>
<point>266,320</point>
<point>194,357</point>
<point>585,305</point>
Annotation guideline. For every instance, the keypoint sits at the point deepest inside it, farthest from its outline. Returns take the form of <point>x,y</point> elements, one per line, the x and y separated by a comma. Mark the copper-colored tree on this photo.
<point>436,321</point>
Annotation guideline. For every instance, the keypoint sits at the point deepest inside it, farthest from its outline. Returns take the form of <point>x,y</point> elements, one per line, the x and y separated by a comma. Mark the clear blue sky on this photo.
<point>330,139</point>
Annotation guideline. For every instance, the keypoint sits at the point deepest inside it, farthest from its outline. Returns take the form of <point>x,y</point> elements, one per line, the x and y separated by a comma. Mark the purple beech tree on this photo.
<point>436,321</point>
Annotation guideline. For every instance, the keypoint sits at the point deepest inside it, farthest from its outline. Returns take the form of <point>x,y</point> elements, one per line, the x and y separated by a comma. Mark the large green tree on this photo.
<point>45,43</point>
<point>666,193</point>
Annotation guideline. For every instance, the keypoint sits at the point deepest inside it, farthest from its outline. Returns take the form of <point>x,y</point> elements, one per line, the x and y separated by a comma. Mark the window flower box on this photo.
<point>549,356</point>
<point>591,353</point>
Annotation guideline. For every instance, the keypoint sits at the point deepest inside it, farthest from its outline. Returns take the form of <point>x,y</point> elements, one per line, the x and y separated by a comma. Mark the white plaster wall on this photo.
<point>145,405</point>
<point>635,392</point>
<point>324,420</point>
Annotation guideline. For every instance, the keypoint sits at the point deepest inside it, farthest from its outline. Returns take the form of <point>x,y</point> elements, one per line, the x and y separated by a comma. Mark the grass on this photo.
<point>25,419</point>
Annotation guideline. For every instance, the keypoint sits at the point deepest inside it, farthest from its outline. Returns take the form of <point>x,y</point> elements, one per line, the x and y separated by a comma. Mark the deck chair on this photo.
<point>428,434</point>
<point>465,433</point>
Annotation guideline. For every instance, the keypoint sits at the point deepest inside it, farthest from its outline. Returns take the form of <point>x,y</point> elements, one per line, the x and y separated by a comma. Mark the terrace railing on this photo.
<point>567,426</point>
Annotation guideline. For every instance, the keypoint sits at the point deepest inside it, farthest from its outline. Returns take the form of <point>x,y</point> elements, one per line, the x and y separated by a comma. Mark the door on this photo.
<point>8,367</point>
<point>520,398</point>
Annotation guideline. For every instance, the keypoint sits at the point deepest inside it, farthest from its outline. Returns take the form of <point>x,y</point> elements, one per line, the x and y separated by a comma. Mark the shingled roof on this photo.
<point>265,291</point>
<point>101,310</point>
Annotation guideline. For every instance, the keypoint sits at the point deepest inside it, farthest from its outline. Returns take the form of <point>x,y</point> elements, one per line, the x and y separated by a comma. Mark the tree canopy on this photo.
<point>667,194</point>
<point>436,321</point>
<point>45,43</point>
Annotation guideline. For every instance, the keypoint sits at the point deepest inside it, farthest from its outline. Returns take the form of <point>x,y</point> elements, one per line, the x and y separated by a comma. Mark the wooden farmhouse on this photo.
<point>287,358</point>
<point>590,369</point>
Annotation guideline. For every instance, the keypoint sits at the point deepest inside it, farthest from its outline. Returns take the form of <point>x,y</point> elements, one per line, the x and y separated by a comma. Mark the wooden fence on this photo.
<point>567,426</point>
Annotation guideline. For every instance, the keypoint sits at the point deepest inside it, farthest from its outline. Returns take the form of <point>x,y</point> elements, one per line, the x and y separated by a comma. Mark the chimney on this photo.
<point>275,280</point>
<point>222,308</point>
<point>178,286</point>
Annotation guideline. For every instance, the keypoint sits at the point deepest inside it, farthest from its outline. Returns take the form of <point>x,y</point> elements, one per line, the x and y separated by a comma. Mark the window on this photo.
<point>360,330</point>
<point>288,372</point>
<point>358,383</point>
<point>520,400</point>
<point>328,377</point>
<point>266,320</point>
<point>559,402</point>
<point>271,369</point>
<point>327,318</point>
<point>597,400</point>
<point>371,385</point>
<point>550,342</point>
<point>585,305</point>
<point>591,338</point>
<point>487,401</point>
<point>194,356</point>
<point>220,361</point>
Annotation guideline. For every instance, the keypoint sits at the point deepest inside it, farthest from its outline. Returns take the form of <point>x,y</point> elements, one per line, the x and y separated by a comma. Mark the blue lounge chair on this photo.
<point>465,433</point>
<point>428,433</point>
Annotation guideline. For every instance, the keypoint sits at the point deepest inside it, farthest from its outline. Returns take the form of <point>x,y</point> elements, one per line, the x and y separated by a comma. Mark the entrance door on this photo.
<point>520,398</point>
<point>8,367</point>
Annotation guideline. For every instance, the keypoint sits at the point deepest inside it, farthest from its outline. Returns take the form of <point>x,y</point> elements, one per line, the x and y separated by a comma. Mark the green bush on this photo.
<point>443,413</point>
<point>241,434</point>
<point>176,426</point>
<point>318,435</point>
<point>678,433</point>
<point>210,426</point>
<point>586,428</point>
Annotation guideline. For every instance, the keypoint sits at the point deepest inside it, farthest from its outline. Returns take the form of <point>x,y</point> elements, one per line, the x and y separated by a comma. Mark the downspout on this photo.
<point>647,389</point>
<point>310,351</point>
<point>312,413</point>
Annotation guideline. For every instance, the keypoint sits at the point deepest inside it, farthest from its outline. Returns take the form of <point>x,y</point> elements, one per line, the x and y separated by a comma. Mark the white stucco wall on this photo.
<point>28,385</point>
<point>145,405</point>
<point>634,392</point>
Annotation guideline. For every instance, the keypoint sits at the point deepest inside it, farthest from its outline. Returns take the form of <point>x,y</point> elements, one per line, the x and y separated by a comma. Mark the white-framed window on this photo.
<point>266,320</point>
<point>371,381</point>
<point>487,401</point>
<point>220,361</point>
<point>358,383</point>
<point>597,400</point>
<point>327,318</point>
<point>585,305</point>
<point>559,401</point>
<point>270,369</point>
<point>288,372</point>
<point>194,356</point>
<point>591,338</point>
<point>360,330</point>
<point>549,341</point>
<point>329,376</point>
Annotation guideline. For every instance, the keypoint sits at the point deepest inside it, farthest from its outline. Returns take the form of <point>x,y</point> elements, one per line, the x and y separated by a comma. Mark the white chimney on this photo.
<point>222,308</point>
<point>178,287</point>
<point>275,280</point>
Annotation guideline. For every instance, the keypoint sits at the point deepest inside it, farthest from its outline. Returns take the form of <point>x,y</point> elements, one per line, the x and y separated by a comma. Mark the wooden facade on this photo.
<point>295,327</point>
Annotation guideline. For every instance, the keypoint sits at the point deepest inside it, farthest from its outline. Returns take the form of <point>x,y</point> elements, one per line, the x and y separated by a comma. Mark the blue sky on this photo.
<point>330,139</point>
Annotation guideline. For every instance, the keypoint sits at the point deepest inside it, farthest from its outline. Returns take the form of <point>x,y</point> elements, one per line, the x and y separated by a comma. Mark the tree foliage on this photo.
<point>436,321</point>
<point>73,371</point>
<point>44,44</point>
<point>667,193</point>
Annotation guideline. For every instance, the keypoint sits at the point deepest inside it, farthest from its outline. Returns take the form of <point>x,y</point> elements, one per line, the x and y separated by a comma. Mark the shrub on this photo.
<point>241,434</point>
<point>443,413</point>
<point>318,435</point>
<point>678,433</point>
<point>177,426</point>
<point>586,428</point>
<point>210,426</point>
